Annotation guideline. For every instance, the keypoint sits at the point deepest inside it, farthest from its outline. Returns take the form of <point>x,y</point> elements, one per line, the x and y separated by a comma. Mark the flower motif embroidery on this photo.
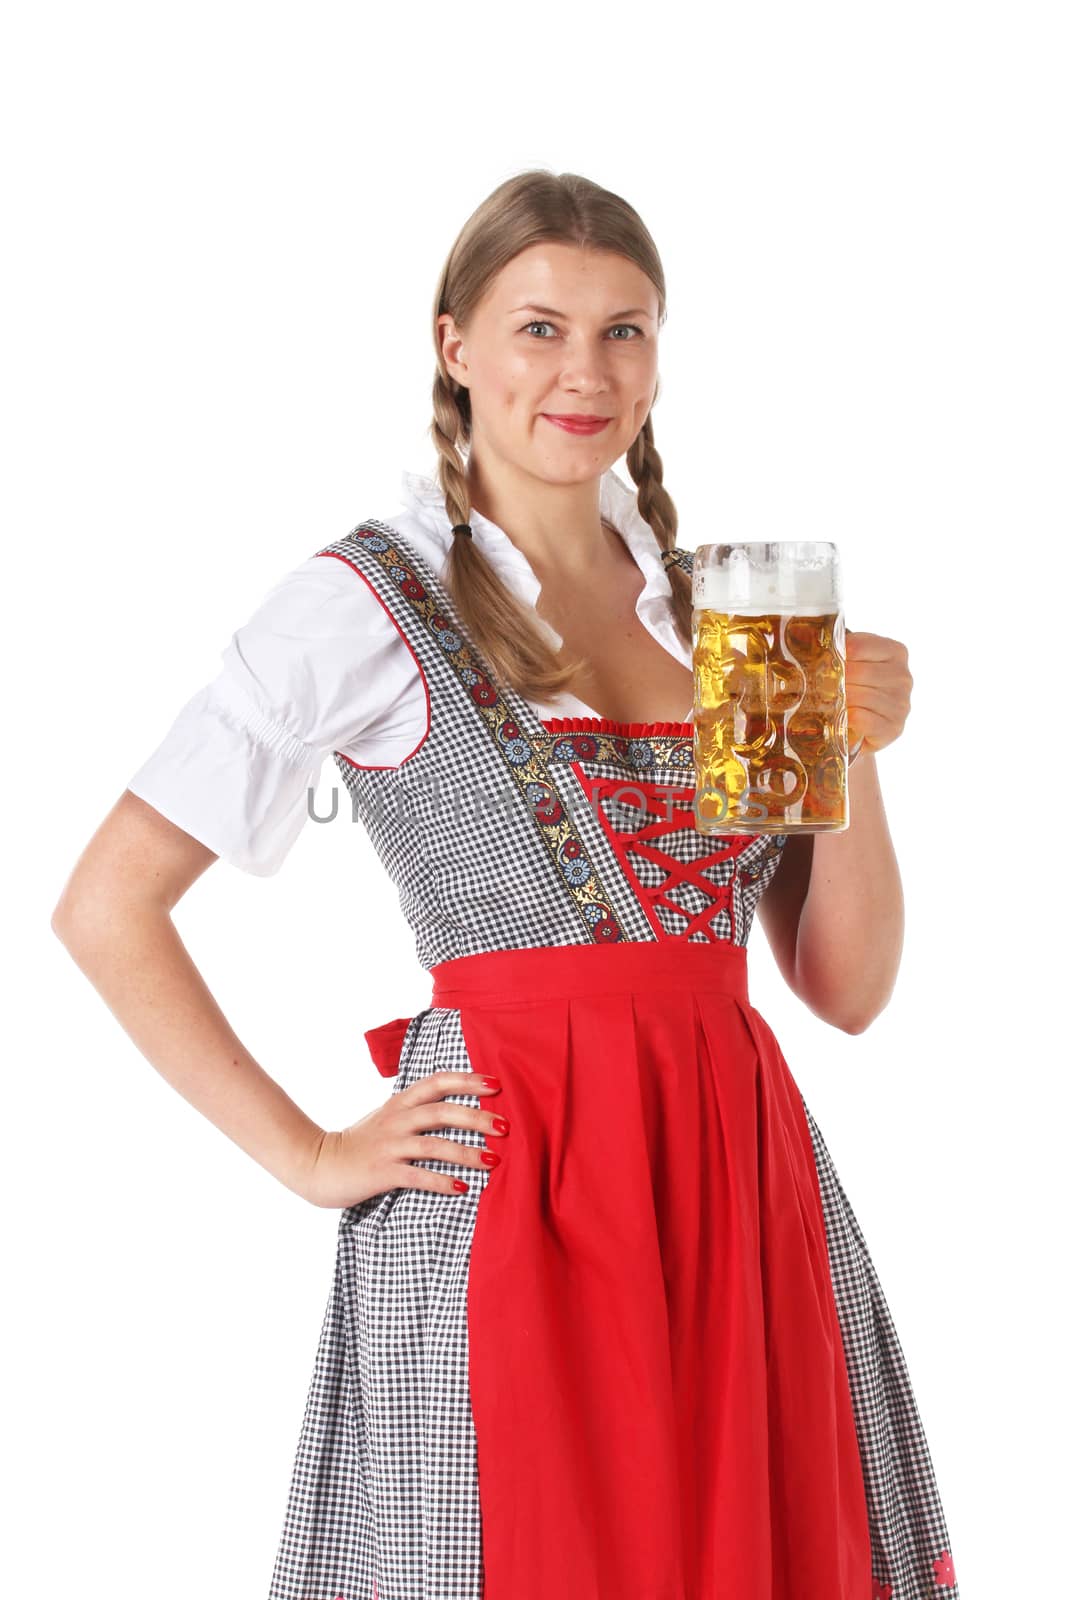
<point>573,864</point>
<point>544,802</point>
<point>517,751</point>
<point>944,1570</point>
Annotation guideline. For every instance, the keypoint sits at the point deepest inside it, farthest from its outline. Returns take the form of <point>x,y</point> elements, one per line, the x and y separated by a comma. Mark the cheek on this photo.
<point>643,399</point>
<point>514,386</point>
<point>646,377</point>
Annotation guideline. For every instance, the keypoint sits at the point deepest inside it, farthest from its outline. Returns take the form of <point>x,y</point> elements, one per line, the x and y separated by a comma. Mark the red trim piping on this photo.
<point>632,730</point>
<point>425,686</point>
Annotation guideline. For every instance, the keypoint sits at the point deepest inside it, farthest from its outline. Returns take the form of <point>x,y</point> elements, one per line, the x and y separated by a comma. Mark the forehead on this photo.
<point>575,279</point>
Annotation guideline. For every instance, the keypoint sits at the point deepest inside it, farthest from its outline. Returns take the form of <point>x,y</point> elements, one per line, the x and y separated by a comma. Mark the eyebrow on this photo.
<point>547,311</point>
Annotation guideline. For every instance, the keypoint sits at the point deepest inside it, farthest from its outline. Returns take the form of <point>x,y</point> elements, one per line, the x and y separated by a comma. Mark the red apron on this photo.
<point>657,1375</point>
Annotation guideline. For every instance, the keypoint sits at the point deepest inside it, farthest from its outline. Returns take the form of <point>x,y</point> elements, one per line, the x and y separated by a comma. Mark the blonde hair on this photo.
<point>531,207</point>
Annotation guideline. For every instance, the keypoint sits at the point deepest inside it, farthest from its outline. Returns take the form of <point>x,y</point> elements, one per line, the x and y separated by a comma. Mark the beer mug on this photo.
<point>770,737</point>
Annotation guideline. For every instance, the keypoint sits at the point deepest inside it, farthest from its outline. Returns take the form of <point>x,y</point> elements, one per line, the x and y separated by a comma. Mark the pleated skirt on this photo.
<point>624,1366</point>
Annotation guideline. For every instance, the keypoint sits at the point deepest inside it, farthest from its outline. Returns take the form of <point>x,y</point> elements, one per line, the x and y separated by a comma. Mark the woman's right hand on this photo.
<point>376,1153</point>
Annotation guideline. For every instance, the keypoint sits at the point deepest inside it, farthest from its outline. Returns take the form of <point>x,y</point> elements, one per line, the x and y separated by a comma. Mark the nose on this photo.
<point>585,365</point>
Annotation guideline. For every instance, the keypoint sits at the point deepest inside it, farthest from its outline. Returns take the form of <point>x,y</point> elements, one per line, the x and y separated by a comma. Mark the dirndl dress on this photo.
<point>647,1356</point>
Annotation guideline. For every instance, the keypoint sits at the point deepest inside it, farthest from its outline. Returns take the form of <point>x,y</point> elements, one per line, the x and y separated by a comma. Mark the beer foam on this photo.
<point>798,576</point>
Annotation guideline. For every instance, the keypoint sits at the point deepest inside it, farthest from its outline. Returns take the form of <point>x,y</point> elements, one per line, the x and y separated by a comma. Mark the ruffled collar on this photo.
<point>425,499</point>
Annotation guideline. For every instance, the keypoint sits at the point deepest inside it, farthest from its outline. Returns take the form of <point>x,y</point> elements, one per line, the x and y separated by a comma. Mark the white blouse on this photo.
<point>320,666</point>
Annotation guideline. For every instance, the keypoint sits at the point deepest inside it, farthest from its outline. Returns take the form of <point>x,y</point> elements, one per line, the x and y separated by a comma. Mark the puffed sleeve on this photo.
<point>319,666</point>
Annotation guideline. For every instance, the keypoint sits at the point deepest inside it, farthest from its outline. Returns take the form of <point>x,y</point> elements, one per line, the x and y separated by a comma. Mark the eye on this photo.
<point>632,326</point>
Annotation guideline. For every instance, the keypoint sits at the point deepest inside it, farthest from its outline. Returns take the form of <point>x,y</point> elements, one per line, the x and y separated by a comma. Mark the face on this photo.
<point>562,331</point>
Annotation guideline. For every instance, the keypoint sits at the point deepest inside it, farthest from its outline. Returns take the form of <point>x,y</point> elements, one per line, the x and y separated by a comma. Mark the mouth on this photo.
<point>577,423</point>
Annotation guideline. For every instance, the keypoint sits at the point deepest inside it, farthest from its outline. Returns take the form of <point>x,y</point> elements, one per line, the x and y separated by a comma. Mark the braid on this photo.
<point>451,422</point>
<point>658,509</point>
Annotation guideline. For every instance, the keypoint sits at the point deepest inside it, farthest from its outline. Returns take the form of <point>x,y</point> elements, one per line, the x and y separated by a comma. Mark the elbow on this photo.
<point>62,921</point>
<point>850,1021</point>
<point>68,926</point>
<point>847,1004</point>
<point>859,1022</point>
<point>77,918</point>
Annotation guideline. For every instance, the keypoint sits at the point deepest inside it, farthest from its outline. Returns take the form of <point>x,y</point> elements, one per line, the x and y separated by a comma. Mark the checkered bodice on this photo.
<point>505,831</point>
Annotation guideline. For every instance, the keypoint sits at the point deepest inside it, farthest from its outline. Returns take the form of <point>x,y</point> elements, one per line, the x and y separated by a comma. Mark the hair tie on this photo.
<point>463,527</point>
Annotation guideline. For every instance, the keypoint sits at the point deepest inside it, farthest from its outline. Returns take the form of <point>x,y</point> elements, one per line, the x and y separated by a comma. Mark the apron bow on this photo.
<point>385,1043</point>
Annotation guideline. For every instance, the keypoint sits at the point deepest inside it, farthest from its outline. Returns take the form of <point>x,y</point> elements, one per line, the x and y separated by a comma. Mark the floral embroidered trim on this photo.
<point>521,752</point>
<point>648,744</point>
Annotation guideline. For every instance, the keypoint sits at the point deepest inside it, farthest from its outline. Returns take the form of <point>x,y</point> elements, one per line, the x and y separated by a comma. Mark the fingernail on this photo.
<point>490,1083</point>
<point>457,1183</point>
<point>501,1124</point>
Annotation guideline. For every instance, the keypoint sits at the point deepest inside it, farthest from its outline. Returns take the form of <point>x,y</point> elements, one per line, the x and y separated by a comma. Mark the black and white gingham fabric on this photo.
<point>384,1493</point>
<point>909,1542</point>
<point>383,1502</point>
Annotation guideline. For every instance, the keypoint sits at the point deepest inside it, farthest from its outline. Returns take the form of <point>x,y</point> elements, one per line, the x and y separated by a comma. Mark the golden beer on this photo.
<point>770,741</point>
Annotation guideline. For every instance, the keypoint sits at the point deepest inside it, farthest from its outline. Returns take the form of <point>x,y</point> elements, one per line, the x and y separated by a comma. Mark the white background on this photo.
<point>225,224</point>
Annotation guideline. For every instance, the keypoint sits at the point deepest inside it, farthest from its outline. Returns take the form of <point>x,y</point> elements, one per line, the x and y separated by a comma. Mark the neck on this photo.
<point>557,527</point>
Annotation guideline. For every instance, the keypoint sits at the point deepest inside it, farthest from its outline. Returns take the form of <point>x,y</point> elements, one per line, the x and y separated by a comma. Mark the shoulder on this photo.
<point>411,535</point>
<point>326,592</point>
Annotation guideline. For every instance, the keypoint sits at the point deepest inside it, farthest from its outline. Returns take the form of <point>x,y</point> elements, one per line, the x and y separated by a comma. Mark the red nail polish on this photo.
<point>490,1083</point>
<point>457,1183</point>
<point>490,1158</point>
<point>501,1124</point>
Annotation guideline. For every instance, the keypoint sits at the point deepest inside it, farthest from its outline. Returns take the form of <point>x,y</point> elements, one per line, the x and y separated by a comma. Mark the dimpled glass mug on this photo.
<point>770,737</point>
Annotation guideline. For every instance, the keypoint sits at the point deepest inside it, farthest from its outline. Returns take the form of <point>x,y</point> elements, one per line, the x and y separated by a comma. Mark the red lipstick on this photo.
<point>579,423</point>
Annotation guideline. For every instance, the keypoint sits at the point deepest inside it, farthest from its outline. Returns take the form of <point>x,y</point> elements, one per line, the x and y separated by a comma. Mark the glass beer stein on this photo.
<point>770,737</point>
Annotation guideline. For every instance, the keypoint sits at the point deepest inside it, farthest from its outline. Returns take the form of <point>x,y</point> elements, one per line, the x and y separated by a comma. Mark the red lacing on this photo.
<point>631,730</point>
<point>669,810</point>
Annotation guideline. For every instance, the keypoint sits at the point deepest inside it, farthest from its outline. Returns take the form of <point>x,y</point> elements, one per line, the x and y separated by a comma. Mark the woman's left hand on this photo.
<point>877,690</point>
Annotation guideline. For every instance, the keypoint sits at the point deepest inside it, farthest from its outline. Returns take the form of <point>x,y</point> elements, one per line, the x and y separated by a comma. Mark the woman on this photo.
<point>603,1323</point>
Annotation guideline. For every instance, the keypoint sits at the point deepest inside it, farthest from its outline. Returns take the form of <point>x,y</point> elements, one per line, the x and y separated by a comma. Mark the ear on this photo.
<point>451,344</point>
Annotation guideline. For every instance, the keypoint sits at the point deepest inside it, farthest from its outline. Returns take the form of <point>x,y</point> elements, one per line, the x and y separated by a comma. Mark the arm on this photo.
<point>114,918</point>
<point>834,911</point>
